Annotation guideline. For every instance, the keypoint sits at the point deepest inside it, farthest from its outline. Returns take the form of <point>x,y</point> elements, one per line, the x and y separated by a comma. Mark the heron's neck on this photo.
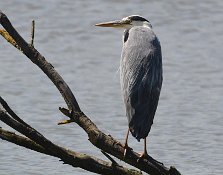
<point>147,24</point>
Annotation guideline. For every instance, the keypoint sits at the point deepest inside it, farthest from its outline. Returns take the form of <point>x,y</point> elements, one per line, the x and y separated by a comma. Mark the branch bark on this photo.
<point>99,139</point>
<point>37,142</point>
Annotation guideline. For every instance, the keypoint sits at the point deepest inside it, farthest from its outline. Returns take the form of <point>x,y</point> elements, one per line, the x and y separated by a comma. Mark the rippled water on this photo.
<point>187,130</point>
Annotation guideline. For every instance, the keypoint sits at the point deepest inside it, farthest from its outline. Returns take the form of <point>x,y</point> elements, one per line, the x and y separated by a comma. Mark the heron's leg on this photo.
<point>126,139</point>
<point>144,154</point>
<point>126,142</point>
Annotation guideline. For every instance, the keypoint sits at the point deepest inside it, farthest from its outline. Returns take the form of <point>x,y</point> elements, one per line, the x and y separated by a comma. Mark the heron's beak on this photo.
<point>116,24</point>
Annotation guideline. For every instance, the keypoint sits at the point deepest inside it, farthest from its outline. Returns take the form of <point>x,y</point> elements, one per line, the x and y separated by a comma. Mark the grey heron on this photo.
<point>140,74</point>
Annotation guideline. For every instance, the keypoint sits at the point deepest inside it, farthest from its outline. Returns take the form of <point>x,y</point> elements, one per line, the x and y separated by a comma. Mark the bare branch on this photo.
<point>8,38</point>
<point>21,141</point>
<point>46,67</point>
<point>39,143</point>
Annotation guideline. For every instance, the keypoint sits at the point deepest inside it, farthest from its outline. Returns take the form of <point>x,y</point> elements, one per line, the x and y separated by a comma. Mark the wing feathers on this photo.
<point>141,79</point>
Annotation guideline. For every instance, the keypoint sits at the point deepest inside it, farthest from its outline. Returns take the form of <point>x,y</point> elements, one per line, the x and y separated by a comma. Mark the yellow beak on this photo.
<point>119,23</point>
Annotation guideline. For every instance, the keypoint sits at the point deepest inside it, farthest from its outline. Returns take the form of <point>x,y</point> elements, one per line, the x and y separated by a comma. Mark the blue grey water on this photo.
<point>188,126</point>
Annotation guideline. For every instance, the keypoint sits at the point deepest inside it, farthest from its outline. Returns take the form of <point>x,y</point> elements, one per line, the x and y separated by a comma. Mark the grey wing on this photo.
<point>141,84</point>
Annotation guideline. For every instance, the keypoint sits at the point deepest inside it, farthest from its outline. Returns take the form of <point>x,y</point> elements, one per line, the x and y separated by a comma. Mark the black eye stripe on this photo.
<point>137,18</point>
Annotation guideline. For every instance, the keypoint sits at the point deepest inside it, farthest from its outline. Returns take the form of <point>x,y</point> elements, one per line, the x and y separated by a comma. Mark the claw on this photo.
<point>125,151</point>
<point>142,156</point>
<point>126,147</point>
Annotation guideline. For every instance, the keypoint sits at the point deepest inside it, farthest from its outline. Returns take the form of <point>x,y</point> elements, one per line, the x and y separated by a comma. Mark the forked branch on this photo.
<point>37,142</point>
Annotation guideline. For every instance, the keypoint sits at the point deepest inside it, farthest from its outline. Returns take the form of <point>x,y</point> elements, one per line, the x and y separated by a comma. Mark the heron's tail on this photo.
<point>140,128</point>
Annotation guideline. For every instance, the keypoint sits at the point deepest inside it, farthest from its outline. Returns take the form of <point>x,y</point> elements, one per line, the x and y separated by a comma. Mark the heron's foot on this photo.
<point>142,156</point>
<point>126,151</point>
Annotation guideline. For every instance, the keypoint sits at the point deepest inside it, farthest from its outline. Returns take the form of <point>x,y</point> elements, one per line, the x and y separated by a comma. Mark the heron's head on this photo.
<point>127,22</point>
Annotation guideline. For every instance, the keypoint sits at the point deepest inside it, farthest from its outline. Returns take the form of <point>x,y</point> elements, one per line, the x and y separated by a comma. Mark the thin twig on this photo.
<point>110,158</point>
<point>32,32</point>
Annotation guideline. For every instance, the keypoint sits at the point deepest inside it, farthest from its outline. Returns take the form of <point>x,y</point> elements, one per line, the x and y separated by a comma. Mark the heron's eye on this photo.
<point>128,21</point>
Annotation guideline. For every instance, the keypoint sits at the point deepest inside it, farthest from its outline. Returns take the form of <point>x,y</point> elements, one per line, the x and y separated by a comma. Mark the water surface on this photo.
<point>187,130</point>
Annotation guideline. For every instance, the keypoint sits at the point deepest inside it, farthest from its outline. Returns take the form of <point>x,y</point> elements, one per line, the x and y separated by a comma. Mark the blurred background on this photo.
<point>187,130</point>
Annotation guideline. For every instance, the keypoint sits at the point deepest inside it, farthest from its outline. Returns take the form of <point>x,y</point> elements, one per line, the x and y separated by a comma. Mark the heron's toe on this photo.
<point>142,156</point>
<point>126,150</point>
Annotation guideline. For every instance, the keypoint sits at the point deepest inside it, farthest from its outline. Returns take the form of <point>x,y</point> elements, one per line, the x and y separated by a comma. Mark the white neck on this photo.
<point>139,23</point>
